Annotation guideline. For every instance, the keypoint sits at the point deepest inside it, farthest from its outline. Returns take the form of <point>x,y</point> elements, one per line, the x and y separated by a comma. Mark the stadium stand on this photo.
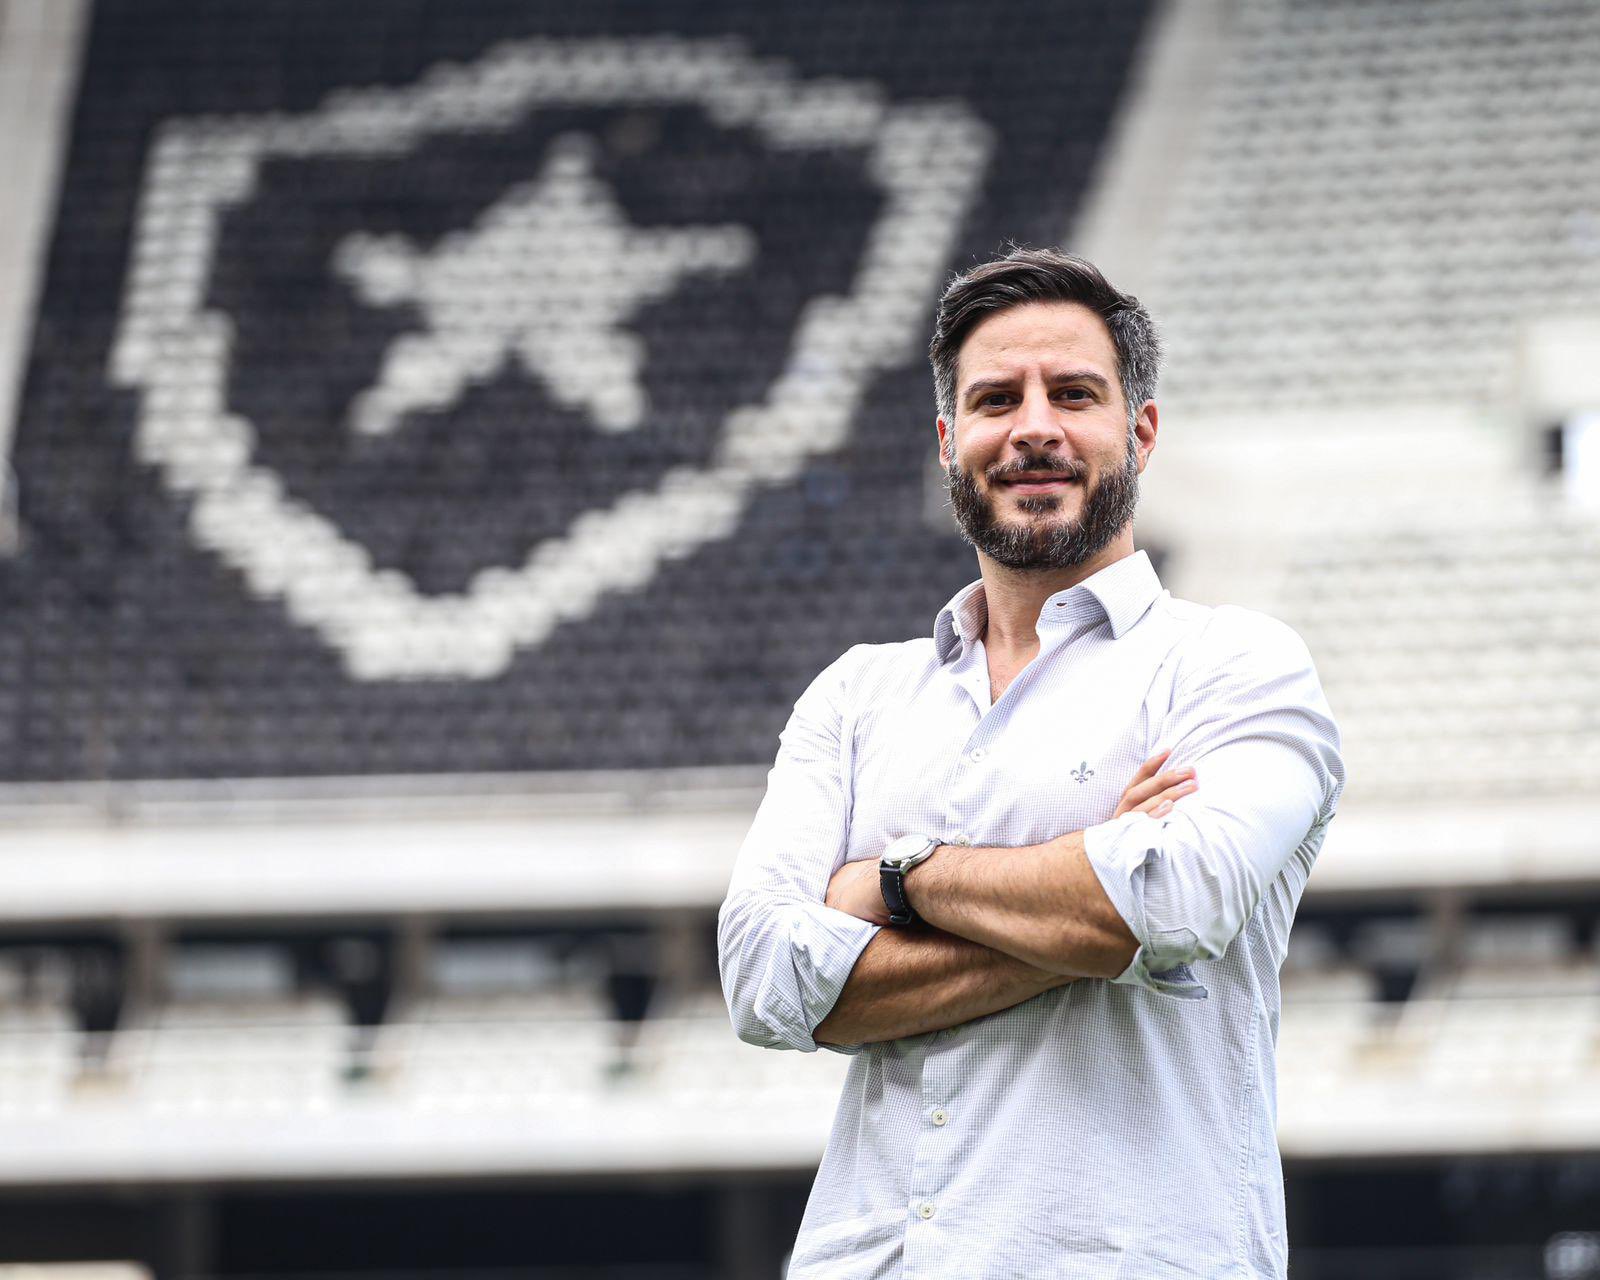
<point>231,1034</point>
<point>1329,1007</point>
<point>1375,221</point>
<point>1477,631</point>
<point>1381,197</point>
<point>369,598</point>
<point>39,1038</point>
<point>1518,1012</point>
<point>229,575</point>
<point>501,1025</point>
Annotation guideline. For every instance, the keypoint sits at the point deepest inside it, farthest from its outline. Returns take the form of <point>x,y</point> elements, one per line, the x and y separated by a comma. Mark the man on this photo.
<point>1064,1055</point>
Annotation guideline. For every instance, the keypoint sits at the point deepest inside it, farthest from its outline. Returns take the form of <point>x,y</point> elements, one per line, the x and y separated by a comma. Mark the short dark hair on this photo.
<point>1043,275</point>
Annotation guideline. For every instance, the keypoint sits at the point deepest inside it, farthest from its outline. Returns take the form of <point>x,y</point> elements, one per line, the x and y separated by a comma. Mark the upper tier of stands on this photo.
<point>505,386</point>
<point>1379,210</point>
<point>1458,656</point>
<point>477,278</point>
<point>1380,197</point>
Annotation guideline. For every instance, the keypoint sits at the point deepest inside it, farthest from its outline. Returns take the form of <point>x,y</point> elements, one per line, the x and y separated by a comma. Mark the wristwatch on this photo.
<point>899,858</point>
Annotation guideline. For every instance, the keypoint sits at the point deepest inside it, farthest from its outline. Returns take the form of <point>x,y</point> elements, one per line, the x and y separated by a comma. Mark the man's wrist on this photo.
<point>900,858</point>
<point>907,877</point>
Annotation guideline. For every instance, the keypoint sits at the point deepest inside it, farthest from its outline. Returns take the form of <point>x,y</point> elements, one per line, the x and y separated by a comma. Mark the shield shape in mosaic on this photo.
<point>178,348</point>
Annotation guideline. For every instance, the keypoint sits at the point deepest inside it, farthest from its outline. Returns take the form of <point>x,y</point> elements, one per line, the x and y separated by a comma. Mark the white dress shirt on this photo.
<point>1107,1128</point>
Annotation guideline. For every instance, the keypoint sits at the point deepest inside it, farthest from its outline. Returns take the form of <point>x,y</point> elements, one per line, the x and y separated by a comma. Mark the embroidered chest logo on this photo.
<point>1083,772</point>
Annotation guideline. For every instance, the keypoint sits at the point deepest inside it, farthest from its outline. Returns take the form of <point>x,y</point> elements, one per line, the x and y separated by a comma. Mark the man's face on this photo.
<point>1045,470</point>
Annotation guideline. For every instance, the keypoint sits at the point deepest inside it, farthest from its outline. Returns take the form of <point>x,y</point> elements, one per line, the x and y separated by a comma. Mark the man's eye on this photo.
<point>994,399</point>
<point>1076,395</point>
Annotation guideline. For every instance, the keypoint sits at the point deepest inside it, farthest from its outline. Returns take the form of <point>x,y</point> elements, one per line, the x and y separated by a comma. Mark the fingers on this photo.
<point>1156,785</point>
<point>1149,767</point>
<point>1160,805</point>
<point>837,883</point>
<point>1139,789</point>
<point>1140,794</point>
<point>842,880</point>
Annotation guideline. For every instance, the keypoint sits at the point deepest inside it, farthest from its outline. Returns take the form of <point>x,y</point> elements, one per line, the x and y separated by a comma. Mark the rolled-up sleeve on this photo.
<point>784,956</point>
<point>1249,715</point>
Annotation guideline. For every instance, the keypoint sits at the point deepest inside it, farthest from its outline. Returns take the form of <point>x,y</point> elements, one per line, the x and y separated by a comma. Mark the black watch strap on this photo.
<point>893,880</point>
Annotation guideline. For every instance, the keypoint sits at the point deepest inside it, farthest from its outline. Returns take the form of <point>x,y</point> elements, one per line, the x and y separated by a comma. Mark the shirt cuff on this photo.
<point>1122,853</point>
<point>839,944</point>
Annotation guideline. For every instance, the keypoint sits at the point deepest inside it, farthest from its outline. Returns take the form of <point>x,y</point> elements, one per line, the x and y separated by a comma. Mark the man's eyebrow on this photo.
<point>1055,376</point>
<point>987,384</point>
<point>1081,375</point>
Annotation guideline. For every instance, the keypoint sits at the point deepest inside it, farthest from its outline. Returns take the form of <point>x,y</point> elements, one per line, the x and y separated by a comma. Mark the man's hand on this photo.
<point>856,889</point>
<point>1154,793</point>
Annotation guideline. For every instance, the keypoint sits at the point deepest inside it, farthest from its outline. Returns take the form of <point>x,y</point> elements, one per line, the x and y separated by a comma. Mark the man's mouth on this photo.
<point>1040,484</point>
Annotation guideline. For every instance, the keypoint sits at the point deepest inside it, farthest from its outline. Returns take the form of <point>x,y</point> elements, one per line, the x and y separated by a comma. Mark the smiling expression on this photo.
<point>1044,469</point>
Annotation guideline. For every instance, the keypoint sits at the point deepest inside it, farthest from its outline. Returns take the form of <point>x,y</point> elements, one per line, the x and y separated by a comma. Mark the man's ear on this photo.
<point>947,443</point>
<point>1144,428</point>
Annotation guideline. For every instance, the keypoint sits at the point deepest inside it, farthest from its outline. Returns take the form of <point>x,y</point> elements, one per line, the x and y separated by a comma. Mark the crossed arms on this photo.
<point>806,961</point>
<point>975,951</point>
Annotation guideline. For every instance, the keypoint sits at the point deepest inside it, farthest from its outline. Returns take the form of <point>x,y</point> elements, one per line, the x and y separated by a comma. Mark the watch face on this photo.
<point>904,847</point>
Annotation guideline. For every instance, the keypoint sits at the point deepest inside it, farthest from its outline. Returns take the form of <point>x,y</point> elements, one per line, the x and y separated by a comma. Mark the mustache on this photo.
<point>1107,509</point>
<point>1070,468</point>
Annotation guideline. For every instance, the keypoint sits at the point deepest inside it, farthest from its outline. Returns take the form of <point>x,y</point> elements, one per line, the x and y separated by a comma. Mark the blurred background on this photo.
<point>441,439</point>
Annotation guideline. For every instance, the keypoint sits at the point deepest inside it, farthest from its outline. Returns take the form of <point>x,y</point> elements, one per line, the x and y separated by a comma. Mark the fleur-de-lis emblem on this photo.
<point>1083,772</point>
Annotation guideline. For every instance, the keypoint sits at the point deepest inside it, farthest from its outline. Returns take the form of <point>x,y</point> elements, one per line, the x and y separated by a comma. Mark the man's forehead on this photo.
<point>1063,335</point>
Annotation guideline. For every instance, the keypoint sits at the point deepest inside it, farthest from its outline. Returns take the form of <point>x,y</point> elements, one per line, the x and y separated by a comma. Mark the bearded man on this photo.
<point>1055,967</point>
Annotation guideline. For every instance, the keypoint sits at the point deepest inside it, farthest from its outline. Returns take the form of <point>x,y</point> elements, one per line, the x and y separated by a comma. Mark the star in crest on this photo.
<point>549,275</point>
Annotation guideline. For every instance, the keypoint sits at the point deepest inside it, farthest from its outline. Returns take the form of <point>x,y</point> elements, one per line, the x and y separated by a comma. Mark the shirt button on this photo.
<point>939,1116</point>
<point>925,1209</point>
<point>977,753</point>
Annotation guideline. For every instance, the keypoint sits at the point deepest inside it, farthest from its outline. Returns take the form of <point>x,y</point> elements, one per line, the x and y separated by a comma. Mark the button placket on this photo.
<point>930,1168</point>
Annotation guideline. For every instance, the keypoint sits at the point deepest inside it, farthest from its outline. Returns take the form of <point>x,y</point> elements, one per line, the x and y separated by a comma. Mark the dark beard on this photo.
<point>1107,509</point>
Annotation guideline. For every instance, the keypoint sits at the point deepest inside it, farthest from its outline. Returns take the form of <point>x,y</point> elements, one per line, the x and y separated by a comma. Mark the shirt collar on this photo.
<point>1120,593</point>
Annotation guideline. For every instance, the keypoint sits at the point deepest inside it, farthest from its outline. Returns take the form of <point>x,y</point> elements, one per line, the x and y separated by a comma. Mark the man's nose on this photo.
<point>1036,424</point>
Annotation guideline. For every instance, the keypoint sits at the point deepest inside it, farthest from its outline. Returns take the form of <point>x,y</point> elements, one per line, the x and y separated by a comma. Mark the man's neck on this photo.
<point>1015,596</point>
